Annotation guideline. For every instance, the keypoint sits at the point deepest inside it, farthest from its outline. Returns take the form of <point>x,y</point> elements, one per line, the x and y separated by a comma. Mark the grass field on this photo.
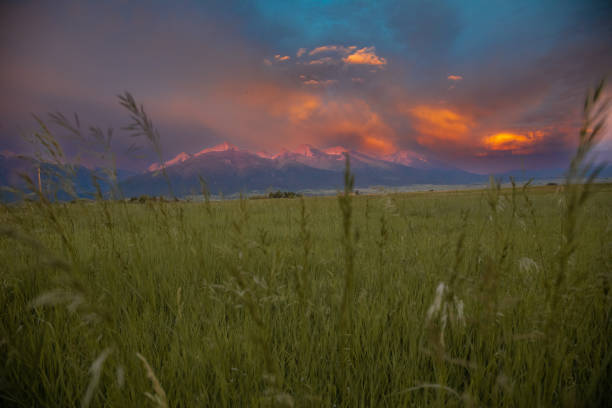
<point>475,298</point>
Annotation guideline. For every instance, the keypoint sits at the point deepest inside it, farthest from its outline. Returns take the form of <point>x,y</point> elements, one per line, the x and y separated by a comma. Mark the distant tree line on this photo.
<point>283,194</point>
<point>145,198</point>
<point>277,194</point>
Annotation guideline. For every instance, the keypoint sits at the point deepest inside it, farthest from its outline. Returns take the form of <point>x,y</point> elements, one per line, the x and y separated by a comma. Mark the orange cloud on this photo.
<point>379,146</point>
<point>314,119</point>
<point>365,56</point>
<point>332,48</point>
<point>517,143</point>
<point>280,58</point>
<point>300,52</point>
<point>439,123</point>
<point>353,121</point>
<point>277,101</point>
<point>455,77</point>
<point>302,107</point>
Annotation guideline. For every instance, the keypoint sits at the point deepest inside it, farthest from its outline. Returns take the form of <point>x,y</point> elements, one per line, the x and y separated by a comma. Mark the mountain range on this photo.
<point>227,169</point>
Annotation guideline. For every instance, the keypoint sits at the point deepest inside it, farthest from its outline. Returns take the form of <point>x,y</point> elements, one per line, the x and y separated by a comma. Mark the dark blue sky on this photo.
<point>482,85</point>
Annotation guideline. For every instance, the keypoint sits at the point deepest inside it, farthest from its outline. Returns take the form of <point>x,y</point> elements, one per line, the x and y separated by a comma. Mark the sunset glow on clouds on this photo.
<point>365,56</point>
<point>514,142</point>
<point>332,48</point>
<point>337,54</point>
<point>320,119</point>
<point>440,124</point>
<point>354,123</point>
<point>385,78</point>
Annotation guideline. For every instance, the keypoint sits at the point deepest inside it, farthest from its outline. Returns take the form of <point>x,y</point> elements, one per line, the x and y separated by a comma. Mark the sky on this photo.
<point>480,85</point>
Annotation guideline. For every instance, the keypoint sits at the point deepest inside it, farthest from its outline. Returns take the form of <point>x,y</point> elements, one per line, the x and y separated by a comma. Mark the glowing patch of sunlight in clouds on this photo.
<point>439,123</point>
<point>365,56</point>
<point>518,143</point>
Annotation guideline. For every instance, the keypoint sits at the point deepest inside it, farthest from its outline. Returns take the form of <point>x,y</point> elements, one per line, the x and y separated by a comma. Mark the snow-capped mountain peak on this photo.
<point>223,147</point>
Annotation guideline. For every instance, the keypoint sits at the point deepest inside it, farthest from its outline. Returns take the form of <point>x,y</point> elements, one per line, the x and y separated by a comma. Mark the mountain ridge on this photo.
<point>228,169</point>
<point>307,154</point>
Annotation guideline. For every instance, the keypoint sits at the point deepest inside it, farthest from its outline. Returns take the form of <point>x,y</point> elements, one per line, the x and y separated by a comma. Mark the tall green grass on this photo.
<point>498,297</point>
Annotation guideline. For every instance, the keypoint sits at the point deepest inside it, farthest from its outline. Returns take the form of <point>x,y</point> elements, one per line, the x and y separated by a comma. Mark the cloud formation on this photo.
<point>365,56</point>
<point>332,49</point>
<point>516,143</point>
<point>436,124</point>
